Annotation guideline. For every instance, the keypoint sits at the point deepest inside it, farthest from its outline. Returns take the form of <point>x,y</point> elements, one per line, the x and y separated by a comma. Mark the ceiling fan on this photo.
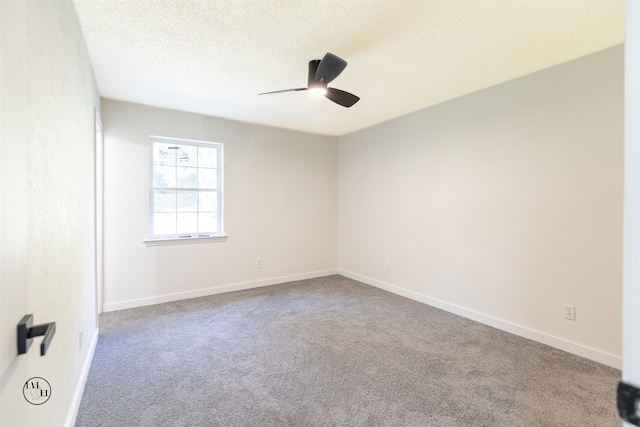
<point>322,72</point>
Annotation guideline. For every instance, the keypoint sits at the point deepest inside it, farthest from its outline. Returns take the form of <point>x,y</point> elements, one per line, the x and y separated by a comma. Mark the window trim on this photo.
<point>196,237</point>
<point>184,240</point>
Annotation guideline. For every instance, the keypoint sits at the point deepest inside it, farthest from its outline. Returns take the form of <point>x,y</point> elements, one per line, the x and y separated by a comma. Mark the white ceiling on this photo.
<point>214,57</point>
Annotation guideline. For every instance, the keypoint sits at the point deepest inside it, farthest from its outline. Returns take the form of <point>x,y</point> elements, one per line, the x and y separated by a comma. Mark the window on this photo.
<point>186,189</point>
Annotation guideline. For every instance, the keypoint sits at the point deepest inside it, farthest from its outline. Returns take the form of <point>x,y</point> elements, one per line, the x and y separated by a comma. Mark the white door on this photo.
<point>631,290</point>
<point>13,210</point>
<point>47,245</point>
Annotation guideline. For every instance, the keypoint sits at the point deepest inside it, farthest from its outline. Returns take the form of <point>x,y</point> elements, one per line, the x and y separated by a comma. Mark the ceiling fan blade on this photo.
<point>330,67</point>
<point>284,90</point>
<point>341,97</point>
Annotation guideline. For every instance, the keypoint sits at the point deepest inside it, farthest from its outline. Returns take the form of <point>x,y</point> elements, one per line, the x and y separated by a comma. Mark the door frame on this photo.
<point>99,211</point>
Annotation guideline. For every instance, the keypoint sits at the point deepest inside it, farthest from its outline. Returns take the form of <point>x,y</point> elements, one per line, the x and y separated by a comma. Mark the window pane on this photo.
<point>188,202</point>
<point>164,201</point>
<point>164,223</point>
<point>207,223</point>
<point>180,169</point>
<point>163,155</point>
<point>188,156</point>
<point>164,176</point>
<point>207,201</point>
<point>207,178</point>
<point>187,177</point>
<point>207,157</point>
<point>187,222</point>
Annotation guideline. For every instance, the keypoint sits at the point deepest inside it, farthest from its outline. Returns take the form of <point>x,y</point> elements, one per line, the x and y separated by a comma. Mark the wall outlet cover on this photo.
<point>570,312</point>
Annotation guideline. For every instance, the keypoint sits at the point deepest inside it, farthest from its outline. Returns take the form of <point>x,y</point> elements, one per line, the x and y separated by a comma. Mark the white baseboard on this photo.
<point>550,340</point>
<point>215,290</point>
<point>82,380</point>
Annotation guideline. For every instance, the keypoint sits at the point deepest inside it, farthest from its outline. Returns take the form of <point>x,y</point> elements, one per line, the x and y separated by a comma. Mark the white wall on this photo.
<point>280,205</point>
<point>47,206</point>
<point>501,205</point>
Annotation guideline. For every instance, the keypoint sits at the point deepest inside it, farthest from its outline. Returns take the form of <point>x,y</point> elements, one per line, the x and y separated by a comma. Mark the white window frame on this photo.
<point>194,237</point>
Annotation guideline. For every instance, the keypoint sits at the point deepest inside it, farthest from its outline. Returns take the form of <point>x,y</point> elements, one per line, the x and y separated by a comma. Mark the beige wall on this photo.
<point>48,101</point>
<point>280,206</point>
<point>502,205</point>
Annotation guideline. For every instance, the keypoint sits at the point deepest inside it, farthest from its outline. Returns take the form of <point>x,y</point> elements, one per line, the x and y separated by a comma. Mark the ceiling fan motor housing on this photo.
<point>313,67</point>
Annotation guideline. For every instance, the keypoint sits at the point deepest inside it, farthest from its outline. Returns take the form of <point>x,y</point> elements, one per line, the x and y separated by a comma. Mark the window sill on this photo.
<point>183,240</point>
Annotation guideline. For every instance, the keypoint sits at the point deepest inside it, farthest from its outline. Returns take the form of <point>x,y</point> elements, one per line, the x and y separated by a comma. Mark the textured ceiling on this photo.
<point>214,57</point>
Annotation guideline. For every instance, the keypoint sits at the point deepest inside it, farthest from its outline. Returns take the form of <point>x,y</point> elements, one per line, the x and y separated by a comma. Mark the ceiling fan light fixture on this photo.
<point>318,89</point>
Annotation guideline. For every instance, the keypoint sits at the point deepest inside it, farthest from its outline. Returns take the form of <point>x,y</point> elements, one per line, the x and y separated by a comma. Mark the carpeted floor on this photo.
<point>331,352</point>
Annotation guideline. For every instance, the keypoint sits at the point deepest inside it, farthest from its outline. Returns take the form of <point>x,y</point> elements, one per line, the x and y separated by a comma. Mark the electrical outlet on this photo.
<point>570,312</point>
<point>259,263</point>
<point>81,338</point>
<point>387,266</point>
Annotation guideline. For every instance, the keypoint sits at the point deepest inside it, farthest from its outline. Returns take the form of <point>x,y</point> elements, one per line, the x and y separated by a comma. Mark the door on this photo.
<point>631,290</point>
<point>13,208</point>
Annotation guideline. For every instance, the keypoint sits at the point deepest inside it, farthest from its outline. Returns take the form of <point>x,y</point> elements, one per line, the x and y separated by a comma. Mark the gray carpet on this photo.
<point>331,352</point>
